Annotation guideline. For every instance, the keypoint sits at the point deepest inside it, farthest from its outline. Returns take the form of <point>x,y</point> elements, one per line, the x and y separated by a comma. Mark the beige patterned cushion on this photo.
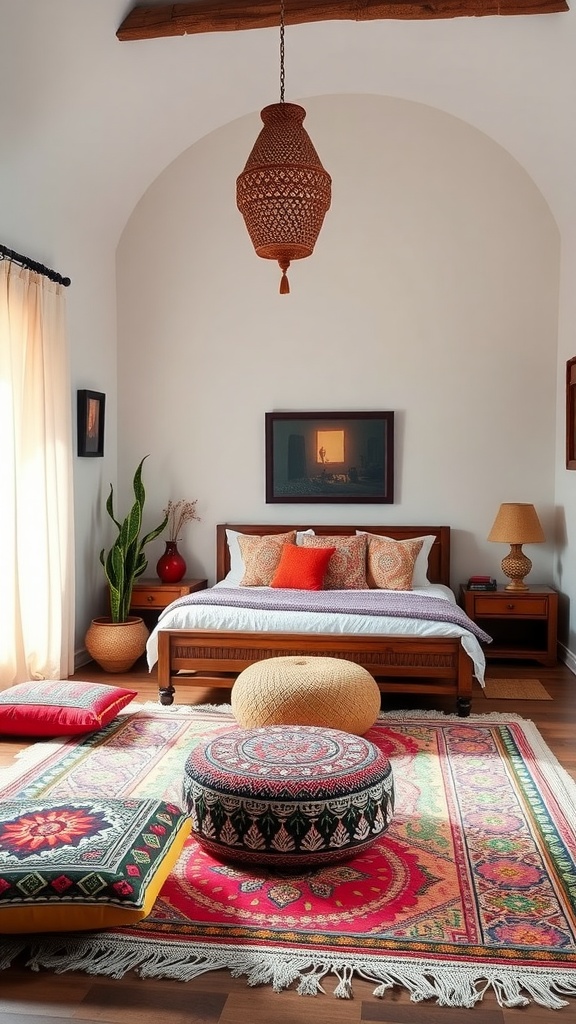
<point>347,567</point>
<point>420,577</point>
<point>391,562</point>
<point>261,557</point>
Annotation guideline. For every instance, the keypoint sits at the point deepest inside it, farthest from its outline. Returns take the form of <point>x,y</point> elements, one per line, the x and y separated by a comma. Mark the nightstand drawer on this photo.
<point>150,598</point>
<point>522,625</point>
<point>153,595</point>
<point>510,606</point>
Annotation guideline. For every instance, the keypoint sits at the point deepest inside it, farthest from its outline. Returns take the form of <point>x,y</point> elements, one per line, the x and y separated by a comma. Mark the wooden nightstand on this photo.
<point>523,624</point>
<point>153,595</point>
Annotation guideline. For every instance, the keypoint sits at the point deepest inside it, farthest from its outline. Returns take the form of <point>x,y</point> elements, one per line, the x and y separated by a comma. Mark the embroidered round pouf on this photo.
<point>288,796</point>
<point>303,690</point>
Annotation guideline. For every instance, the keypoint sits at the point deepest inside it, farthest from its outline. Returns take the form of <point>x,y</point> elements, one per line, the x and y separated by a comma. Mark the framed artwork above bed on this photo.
<point>330,457</point>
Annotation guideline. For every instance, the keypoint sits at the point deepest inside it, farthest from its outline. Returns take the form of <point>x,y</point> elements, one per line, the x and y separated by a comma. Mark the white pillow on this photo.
<point>420,574</point>
<point>237,567</point>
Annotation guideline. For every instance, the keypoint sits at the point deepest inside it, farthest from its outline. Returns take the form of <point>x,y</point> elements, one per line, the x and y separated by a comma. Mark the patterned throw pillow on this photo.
<point>59,707</point>
<point>347,567</point>
<point>391,562</point>
<point>261,557</point>
<point>302,568</point>
<point>237,567</point>
<point>75,865</point>
<point>420,577</point>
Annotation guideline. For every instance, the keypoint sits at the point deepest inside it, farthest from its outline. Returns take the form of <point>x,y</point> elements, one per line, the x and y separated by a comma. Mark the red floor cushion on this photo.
<point>60,707</point>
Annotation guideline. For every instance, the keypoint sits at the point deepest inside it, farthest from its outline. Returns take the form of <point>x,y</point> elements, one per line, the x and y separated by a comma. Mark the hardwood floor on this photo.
<point>27,997</point>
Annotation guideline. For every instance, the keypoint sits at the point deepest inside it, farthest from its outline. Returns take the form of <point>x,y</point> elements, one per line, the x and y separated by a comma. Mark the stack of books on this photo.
<point>481,583</point>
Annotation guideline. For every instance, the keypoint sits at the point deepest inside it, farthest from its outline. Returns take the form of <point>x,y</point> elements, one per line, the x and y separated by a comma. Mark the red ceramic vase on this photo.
<point>171,566</point>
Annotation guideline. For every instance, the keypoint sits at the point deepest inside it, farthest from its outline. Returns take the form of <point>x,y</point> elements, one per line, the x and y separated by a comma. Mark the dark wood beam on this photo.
<point>157,20</point>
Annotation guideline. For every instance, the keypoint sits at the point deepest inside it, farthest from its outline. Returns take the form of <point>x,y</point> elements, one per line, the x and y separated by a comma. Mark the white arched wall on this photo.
<point>433,291</point>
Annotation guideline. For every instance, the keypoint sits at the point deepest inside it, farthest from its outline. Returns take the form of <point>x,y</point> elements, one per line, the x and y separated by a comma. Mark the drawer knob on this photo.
<point>510,606</point>
<point>150,598</point>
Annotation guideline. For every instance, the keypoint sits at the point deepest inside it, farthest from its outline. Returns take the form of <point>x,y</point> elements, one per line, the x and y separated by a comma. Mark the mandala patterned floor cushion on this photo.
<point>288,796</point>
<point>306,690</point>
<point>87,864</point>
<point>59,707</point>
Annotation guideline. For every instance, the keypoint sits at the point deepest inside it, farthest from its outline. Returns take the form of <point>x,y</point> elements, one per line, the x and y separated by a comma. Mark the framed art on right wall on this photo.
<point>571,413</point>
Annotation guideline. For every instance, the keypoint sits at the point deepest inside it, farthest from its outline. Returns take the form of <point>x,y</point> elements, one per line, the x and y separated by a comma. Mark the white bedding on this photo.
<point>199,616</point>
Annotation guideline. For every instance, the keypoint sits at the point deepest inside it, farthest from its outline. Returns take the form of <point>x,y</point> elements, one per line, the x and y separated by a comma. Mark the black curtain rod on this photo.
<point>25,261</point>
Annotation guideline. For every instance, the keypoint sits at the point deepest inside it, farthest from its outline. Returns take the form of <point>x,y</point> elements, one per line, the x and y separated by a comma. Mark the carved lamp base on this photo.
<point>516,565</point>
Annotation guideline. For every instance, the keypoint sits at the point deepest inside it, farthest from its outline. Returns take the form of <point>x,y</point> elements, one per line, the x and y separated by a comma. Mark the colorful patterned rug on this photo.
<point>473,885</point>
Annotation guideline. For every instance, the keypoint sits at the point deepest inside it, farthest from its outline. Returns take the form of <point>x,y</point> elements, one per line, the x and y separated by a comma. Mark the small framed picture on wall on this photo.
<point>91,406</point>
<point>571,413</point>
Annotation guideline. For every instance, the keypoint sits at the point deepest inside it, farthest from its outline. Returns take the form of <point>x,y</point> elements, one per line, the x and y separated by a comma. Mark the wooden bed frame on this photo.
<point>427,665</point>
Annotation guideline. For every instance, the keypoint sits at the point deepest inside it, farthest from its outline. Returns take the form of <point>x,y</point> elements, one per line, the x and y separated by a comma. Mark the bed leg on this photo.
<point>464,684</point>
<point>463,706</point>
<point>166,695</point>
<point>165,688</point>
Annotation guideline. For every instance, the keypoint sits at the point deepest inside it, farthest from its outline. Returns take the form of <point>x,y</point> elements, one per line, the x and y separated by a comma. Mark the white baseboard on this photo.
<point>568,657</point>
<point>81,658</point>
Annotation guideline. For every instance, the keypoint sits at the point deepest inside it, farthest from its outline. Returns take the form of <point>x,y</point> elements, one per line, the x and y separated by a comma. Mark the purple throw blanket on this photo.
<point>398,604</point>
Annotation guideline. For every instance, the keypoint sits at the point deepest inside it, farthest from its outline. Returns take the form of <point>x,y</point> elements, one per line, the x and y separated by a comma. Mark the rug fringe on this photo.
<point>9,950</point>
<point>457,985</point>
<point>152,705</point>
<point>396,715</point>
<point>28,757</point>
<point>439,716</point>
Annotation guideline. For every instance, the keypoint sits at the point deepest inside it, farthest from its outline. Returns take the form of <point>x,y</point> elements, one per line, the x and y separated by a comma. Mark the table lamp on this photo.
<point>516,524</point>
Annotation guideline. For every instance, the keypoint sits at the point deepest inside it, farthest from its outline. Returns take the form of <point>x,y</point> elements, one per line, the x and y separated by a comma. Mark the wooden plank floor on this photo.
<point>27,997</point>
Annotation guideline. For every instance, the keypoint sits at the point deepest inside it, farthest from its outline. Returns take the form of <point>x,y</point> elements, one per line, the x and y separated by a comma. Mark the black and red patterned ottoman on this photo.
<point>288,796</point>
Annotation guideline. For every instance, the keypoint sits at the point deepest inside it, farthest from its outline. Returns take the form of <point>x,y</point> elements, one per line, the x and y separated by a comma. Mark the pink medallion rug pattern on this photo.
<point>472,886</point>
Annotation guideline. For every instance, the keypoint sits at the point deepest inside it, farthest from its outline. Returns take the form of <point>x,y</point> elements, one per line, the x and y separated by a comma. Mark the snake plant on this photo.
<point>126,560</point>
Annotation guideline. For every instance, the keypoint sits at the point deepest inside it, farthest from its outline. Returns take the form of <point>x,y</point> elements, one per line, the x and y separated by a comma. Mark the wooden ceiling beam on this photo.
<point>156,20</point>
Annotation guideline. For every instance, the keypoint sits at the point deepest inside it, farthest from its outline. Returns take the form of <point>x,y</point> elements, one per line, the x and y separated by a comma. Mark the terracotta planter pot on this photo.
<point>115,646</point>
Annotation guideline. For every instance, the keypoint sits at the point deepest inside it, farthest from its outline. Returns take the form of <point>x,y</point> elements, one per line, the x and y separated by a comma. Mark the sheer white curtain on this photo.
<point>36,496</point>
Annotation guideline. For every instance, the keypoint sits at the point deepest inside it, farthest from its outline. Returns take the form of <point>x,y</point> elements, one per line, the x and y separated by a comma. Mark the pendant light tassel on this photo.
<point>284,282</point>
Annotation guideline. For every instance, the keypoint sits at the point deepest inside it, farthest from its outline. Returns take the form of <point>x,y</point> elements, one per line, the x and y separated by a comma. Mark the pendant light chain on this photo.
<point>283,192</point>
<point>282,76</point>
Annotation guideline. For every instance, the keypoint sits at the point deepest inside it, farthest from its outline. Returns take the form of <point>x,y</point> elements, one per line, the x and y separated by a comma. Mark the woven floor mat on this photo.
<point>515,689</point>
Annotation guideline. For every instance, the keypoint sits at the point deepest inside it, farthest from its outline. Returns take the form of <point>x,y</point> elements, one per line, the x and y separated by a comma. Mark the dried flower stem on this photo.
<point>179,513</point>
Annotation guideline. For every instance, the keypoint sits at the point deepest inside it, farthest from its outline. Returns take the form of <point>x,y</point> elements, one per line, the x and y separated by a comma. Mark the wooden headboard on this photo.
<point>438,559</point>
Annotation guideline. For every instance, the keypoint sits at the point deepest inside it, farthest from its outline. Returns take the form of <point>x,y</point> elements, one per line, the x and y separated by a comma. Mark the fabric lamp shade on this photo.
<point>517,523</point>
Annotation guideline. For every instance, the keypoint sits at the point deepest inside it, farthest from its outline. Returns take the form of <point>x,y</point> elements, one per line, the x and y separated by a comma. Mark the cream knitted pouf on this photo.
<point>302,690</point>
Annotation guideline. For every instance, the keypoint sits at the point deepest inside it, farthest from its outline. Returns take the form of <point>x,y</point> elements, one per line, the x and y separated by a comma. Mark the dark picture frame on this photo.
<point>330,457</point>
<point>571,413</point>
<point>91,406</point>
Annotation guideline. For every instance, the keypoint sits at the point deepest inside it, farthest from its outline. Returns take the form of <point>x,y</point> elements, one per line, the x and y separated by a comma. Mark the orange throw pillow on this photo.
<point>302,568</point>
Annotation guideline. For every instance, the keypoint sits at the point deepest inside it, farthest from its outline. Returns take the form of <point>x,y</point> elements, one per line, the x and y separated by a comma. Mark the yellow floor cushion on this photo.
<point>79,865</point>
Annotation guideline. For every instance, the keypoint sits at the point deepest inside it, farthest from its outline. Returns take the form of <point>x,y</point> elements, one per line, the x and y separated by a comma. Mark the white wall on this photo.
<point>565,480</point>
<point>88,123</point>
<point>433,291</point>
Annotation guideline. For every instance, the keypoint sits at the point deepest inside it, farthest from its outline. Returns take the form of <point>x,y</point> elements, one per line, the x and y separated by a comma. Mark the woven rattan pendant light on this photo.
<point>283,192</point>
